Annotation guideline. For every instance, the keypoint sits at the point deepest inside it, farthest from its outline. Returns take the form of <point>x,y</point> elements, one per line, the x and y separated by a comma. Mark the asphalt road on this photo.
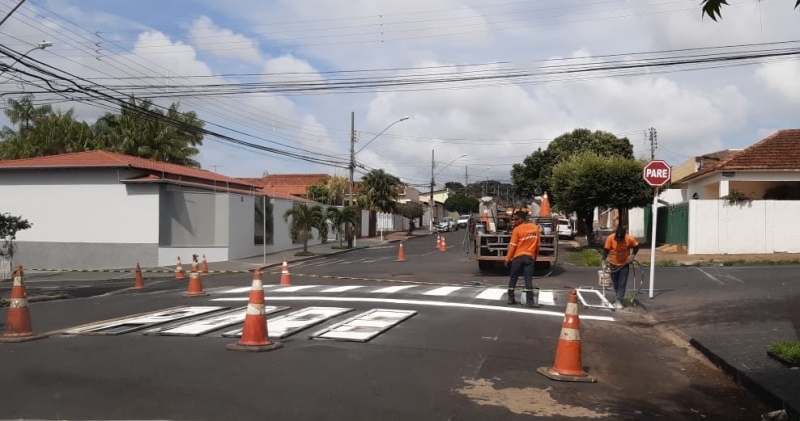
<point>460,357</point>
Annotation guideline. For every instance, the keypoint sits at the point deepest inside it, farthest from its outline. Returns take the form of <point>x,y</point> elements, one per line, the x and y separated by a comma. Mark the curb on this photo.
<point>739,377</point>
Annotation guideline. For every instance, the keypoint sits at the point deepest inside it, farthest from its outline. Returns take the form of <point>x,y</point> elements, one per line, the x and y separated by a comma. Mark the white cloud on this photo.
<point>221,42</point>
<point>781,79</point>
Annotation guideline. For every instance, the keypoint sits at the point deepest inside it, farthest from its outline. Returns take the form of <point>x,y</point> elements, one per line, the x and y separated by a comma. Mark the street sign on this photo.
<point>656,173</point>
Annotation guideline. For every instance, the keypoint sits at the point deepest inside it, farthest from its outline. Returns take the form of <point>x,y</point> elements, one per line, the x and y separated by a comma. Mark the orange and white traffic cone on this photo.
<point>286,278</point>
<point>204,266</point>
<point>568,366</point>
<point>18,323</point>
<point>179,270</point>
<point>255,335</point>
<point>444,245</point>
<point>138,283</point>
<point>544,208</point>
<point>401,254</point>
<point>195,285</point>
<point>438,242</point>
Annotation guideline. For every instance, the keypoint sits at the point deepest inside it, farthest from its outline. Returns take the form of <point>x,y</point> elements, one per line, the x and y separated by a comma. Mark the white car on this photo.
<point>463,221</point>
<point>565,229</point>
<point>446,224</point>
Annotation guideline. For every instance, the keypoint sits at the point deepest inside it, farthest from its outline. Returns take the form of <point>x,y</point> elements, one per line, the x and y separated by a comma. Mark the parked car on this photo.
<point>447,224</point>
<point>565,229</point>
<point>463,221</point>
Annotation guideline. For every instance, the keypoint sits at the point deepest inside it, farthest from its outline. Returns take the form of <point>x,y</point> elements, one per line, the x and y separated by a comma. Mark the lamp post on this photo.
<point>40,46</point>
<point>431,204</point>
<point>352,165</point>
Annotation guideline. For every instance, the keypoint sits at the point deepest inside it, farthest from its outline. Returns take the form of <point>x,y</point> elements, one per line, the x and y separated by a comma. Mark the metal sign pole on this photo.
<point>653,240</point>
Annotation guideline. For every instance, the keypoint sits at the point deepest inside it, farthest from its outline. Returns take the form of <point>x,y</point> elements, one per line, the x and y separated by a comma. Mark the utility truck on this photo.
<point>492,233</point>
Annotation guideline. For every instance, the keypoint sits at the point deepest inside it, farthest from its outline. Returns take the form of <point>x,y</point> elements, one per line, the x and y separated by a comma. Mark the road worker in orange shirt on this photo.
<point>619,251</point>
<point>521,255</point>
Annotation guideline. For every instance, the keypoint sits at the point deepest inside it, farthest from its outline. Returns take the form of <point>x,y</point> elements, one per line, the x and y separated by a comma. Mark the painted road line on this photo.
<point>129,324</point>
<point>393,289</point>
<point>294,288</point>
<point>364,326</point>
<point>239,290</point>
<point>207,324</point>
<point>547,298</point>
<point>289,324</point>
<point>441,291</point>
<point>343,288</point>
<point>507,309</point>
<point>492,294</point>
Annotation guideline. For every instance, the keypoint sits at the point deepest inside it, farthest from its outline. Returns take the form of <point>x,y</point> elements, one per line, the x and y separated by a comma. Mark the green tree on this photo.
<point>461,204</point>
<point>412,211</point>
<point>379,188</point>
<point>712,8</point>
<point>336,187</point>
<point>339,218</point>
<point>587,181</point>
<point>319,193</point>
<point>455,187</point>
<point>143,130</point>
<point>534,175</point>
<point>9,226</point>
<point>304,219</point>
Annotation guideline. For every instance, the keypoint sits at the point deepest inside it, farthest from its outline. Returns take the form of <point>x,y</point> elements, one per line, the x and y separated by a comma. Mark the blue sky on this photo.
<point>175,44</point>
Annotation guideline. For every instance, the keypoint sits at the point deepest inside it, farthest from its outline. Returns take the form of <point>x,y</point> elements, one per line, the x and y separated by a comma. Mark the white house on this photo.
<point>103,210</point>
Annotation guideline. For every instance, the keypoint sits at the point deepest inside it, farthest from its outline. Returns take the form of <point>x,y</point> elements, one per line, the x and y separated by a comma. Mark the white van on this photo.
<point>565,229</point>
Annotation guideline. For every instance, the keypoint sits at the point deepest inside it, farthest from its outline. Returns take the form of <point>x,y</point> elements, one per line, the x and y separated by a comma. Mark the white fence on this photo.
<point>5,269</point>
<point>760,226</point>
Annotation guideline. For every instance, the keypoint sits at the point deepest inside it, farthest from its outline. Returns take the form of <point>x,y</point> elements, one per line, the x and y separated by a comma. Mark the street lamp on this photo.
<point>431,204</point>
<point>353,153</point>
<point>40,46</point>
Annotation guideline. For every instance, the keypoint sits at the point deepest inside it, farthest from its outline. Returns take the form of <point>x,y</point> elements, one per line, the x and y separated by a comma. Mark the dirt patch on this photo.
<point>530,400</point>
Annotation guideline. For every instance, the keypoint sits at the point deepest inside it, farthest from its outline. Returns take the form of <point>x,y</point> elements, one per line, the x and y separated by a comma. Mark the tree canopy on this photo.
<point>461,204</point>
<point>139,129</point>
<point>587,180</point>
<point>9,226</point>
<point>534,175</point>
<point>304,219</point>
<point>713,8</point>
<point>379,190</point>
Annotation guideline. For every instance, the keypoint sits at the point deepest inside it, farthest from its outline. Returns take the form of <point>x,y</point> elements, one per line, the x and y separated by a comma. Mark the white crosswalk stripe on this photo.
<point>393,289</point>
<point>294,288</point>
<point>492,294</point>
<point>342,288</point>
<point>442,291</point>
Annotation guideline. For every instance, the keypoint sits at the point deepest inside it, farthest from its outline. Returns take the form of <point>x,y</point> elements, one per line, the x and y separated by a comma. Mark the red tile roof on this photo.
<point>780,151</point>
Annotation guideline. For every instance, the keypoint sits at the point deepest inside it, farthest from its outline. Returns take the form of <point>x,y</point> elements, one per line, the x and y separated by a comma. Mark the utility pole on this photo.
<point>653,143</point>
<point>466,178</point>
<point>431,204</point>
<point>349,228</point>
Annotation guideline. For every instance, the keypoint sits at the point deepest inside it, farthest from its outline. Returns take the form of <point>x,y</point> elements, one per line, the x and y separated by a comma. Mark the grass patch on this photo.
<point>586,257</point>
<point>304,253</point>
<point>788,350</point>
<point>667,263</point>
<point>340,247</point>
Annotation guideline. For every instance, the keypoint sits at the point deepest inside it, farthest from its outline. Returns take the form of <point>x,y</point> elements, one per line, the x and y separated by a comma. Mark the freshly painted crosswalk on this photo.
<point>469,293</point>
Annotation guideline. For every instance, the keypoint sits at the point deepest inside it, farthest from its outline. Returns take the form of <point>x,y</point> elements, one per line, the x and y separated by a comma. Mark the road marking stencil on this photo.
<point>364,326</point>
<point>289,324</point>
<point>137,322</point>
<point>203,325</point>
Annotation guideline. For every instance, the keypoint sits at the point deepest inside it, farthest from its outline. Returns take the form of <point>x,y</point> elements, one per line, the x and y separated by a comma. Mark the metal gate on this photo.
<point>673,224</point>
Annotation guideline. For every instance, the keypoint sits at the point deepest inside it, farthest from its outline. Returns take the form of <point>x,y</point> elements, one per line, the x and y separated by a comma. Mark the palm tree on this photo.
<point>380,188</point>
<point>340,217</point>
<point>304,219</point>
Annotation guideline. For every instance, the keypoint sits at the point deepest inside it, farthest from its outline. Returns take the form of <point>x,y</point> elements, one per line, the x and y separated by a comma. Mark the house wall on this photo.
<point>82,219</point>
<point>714,186</point>
<point>761,226</point>
<point>687,167</point>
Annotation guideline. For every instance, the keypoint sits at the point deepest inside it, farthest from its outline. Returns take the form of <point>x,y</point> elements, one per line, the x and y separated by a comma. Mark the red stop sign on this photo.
<point>656,173</point>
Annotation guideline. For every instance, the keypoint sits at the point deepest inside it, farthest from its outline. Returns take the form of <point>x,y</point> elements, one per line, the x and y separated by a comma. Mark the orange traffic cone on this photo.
<point>179,270</point>
<point>568,366</point>
<point>204,266</point>
<point>255,336</point>
<point>438,242</point>
<point>444,245</point>
<point>18,322</point>
<point>195,285</point>
<point>401,254</point>
<point>544,208</point>
<point>139,282</point>
<point>286,278</point>
<point>485,219</point>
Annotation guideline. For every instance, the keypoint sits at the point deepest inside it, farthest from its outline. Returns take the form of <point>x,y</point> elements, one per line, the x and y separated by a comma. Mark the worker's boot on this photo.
<point>532,298</point>
<point>511,300</point>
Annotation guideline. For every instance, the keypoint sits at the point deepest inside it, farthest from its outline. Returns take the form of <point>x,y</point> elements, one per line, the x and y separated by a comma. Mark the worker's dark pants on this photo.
<point>524,264</point>
<point>619,278</point>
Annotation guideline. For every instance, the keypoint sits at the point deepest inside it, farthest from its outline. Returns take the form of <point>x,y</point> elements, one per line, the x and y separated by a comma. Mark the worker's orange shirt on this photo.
<point>619,251</point>
<point>524,240</point>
